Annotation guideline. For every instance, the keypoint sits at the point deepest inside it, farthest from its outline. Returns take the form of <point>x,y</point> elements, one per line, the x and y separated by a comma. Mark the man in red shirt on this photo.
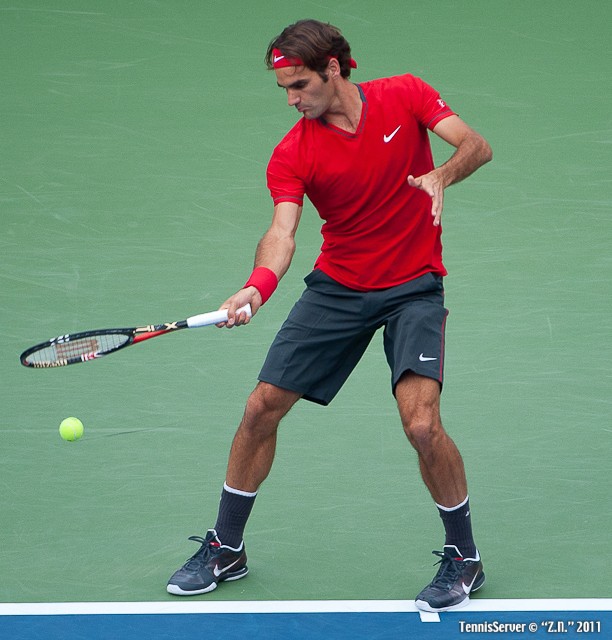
<point>361,154</point>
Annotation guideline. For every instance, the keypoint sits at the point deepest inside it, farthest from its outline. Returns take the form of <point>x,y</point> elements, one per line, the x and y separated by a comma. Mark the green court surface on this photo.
<point>135,138</point>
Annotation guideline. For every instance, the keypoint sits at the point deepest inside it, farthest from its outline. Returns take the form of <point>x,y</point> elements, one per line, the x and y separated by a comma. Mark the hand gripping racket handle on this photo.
<point>214,317</point>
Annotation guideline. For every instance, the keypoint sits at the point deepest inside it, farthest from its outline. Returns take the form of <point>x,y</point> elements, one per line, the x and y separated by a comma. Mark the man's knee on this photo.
<point>418,400</point>
<point>424,431</point>
<point>267,405</point>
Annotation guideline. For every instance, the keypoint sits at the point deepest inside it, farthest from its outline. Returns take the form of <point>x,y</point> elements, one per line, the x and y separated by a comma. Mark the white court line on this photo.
<point>293,606</point>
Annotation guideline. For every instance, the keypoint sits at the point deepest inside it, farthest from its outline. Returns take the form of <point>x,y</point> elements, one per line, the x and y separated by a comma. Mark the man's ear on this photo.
<point>333,68</point>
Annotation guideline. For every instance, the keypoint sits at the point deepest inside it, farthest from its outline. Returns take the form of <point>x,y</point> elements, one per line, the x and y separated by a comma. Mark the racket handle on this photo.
<point>214,317</point>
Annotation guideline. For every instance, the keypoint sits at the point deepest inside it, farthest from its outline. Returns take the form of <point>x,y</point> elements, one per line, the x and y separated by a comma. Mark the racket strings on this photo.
<point>84,348</point>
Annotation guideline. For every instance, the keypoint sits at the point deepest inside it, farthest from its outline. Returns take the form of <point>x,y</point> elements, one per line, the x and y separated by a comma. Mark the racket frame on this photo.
<point>133,336</point>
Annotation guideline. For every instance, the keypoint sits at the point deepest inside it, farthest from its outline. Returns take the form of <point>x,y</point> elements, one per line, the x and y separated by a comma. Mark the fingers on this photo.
<point>437,202</point>
<point>236,318</point>
<point>433,188</point>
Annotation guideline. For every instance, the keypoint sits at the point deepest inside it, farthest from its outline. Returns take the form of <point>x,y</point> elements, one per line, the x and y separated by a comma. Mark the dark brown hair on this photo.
<point>314,43</point>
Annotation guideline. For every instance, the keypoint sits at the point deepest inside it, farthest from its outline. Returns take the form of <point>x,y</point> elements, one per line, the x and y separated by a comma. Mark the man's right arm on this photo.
<point>274,252</point>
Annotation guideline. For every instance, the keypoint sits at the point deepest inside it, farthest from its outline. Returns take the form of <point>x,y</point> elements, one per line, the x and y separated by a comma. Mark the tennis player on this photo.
<point>361,153</point>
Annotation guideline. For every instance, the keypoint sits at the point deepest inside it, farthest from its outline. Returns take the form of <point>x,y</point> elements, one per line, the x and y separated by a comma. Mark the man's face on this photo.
<point>306,90</point>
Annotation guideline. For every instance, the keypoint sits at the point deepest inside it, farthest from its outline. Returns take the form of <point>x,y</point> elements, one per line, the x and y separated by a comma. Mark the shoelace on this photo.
<point>201,556</point>
<point>449,571</point>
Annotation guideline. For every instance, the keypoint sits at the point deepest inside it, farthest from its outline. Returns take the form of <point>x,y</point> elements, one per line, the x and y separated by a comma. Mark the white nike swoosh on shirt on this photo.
<point>390,136</point>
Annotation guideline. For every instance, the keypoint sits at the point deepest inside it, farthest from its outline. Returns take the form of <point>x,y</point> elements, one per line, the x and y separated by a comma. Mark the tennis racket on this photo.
<point>73,348</point>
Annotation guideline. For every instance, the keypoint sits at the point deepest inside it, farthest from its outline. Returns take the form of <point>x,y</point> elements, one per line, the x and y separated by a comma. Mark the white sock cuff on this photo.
<point>238,492</point>
<point>453,508</point>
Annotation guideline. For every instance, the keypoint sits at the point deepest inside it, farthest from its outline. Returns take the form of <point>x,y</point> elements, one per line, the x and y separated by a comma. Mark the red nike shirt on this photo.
<point>377,232</point>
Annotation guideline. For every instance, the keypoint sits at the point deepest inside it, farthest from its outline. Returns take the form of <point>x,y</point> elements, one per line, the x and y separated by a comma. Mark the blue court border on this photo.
<point>306,620</point>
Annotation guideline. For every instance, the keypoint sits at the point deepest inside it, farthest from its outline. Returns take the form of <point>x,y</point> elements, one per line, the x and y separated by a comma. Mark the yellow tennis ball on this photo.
<point>71,429</point>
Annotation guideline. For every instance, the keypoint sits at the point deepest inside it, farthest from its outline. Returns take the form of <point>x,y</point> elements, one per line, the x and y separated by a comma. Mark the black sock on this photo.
<point>234,510</point>
<point>458,527</point>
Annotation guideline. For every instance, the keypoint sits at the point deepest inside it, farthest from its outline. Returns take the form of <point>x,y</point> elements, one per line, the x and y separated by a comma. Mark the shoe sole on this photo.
<point>176,590</point>
<point>425,606</point>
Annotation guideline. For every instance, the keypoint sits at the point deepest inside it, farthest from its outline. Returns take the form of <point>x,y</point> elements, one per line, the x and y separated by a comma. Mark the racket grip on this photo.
<point>214,317</point>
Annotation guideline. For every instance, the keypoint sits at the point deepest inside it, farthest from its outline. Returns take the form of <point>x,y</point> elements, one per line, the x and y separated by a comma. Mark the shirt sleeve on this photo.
<point>283,182</point>
<point>428,106</point>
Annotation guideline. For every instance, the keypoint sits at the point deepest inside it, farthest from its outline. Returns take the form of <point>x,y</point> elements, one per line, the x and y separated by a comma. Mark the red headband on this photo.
<point>279,61</point>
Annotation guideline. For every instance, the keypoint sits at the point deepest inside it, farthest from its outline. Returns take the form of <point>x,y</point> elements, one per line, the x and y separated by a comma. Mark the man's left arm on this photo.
<point>472,151</point>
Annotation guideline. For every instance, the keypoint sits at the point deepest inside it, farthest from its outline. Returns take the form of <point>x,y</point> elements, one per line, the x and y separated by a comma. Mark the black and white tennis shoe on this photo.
<point>211,564</point>
<point>456,579</point>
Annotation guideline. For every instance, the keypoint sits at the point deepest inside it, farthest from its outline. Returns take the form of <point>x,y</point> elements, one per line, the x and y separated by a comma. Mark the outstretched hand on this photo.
<point>432,186</point>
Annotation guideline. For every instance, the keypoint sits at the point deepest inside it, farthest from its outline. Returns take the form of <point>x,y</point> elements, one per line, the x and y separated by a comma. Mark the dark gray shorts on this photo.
<point>330,327</point>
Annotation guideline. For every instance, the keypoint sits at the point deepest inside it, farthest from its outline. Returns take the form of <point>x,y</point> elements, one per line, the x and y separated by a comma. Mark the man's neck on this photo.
<point>345,111</point>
